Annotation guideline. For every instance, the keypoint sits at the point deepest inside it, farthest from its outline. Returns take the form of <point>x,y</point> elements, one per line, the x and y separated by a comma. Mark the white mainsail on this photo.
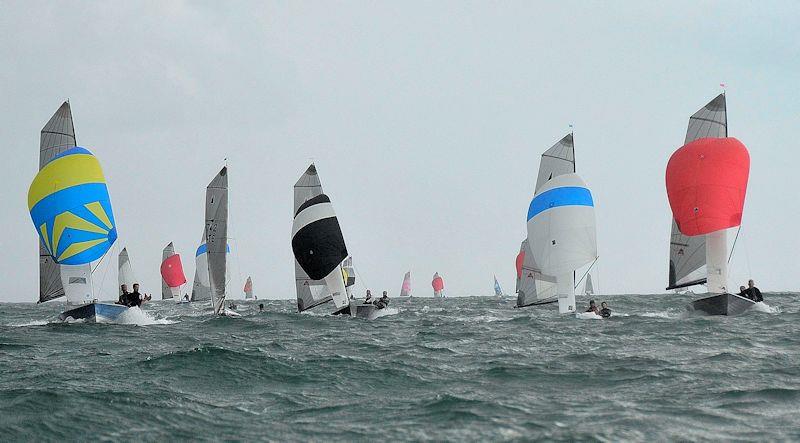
<point>405,289</point>
<point>58,135</point>
<point>166,291</point>
<point>588,288</point>
<point>216,233</point>
<point>687,255</point>
<point>125,271</point>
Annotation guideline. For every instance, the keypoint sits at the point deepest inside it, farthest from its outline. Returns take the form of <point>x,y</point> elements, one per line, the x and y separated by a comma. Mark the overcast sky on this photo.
<point>426,121</point>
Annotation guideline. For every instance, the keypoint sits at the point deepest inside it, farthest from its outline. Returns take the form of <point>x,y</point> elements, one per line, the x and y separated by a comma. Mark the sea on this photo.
<point>455,369</point>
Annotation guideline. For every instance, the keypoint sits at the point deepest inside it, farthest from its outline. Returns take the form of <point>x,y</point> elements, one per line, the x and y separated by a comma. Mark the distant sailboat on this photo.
<point>201,287</point>
<point>248,289</point>
<point>319,251</point>
<point>349,275</point>
<point>498,291</point>
<point>534,287</point>
<point>706,183</point>
<point>588,288</point>
<point>438,286</point>
<point>405,289</point>
<point>124,271</point>
<point>71,212</point>
<point>216,235</point>
<point>172,276</point>
<point>561,223</point>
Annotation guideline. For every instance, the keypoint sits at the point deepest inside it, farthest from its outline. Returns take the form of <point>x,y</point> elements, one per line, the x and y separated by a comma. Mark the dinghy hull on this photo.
<point>366,311</point>
<point>722,304</point>
<point>94,313</point>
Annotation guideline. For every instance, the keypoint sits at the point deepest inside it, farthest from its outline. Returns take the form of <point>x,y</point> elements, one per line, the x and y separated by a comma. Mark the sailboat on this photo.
<point>172,276</point>
<point>71,211</point>
<point>535,288</point>
<point>216,247</point>
<point>349,275</point>
<point>588,288</point>
<point>706,182</point>
<point>498,291</point>
<point>438,286</point>
<point>561,223</point>
<point>319,252</point>
<point>248,289</point>
<point>405,289</point>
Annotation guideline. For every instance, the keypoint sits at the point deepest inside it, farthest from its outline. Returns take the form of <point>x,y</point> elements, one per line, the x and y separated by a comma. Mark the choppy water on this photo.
<point>454,369</point>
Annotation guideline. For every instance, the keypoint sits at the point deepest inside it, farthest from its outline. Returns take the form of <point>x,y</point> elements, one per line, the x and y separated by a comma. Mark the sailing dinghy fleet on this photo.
<point>706,183</point>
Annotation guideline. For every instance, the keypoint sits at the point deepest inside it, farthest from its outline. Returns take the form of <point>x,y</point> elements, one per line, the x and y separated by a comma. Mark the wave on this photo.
<point>30,323</point>
<point>763,307</point>
<point>135,316</point>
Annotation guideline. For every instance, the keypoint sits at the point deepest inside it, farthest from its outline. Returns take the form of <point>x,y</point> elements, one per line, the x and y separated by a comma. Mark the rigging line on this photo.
<point>587,272</point>
<point>101,258</point>
<point>360,278</point>
<point>733,248</point>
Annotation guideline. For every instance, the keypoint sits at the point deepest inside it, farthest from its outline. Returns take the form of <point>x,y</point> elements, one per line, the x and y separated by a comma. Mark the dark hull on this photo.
<point>94,313</point>
<point>722,304</point>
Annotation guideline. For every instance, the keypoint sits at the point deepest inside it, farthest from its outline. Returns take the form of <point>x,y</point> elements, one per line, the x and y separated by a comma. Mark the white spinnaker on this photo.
<point>125,271</point>
<point>564,233</point>
<point>77,282</point>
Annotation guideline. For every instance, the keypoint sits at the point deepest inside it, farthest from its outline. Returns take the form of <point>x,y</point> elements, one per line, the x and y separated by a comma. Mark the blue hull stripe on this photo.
<point>566,196</point>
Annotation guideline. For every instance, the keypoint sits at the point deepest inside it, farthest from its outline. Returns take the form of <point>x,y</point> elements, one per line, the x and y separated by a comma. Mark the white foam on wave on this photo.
<point>763,307</point>
<point>660,314</point>
<point>385,311</point>
<point>587,316</point>
<point>30,323</point>
<point>135,316</point>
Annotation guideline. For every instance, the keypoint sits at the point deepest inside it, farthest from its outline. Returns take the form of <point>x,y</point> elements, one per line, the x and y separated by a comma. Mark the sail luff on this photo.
<point>687,261</point>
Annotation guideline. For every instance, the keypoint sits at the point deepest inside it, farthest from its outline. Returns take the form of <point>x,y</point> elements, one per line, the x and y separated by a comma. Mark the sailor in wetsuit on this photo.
<point>382,302</point>
<point>135,298</point>
<point>605,312</point>
<point>743,292</point>
<point>123,298</point>
<point>369,299</point>
<point>593,307</point>
<point>755,293</point>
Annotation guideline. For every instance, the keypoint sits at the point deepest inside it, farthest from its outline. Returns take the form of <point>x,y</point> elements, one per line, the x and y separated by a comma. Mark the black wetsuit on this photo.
<point>605,312</point>
<point>134,299</point>
<point>123,299</point>
<point>755,294</point>
<point>381,303</point>
<point>593,309</point>
<point>745,294</point>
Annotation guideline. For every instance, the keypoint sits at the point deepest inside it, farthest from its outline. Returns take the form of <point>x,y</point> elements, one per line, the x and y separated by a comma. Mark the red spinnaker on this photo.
<point>706,184</point>
<point>437,283</point>
<point>520,261</point>
<point>172,271</point>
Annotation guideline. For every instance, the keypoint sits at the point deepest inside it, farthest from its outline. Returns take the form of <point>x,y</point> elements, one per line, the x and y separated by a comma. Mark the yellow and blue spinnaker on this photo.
<point>71,209</point>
